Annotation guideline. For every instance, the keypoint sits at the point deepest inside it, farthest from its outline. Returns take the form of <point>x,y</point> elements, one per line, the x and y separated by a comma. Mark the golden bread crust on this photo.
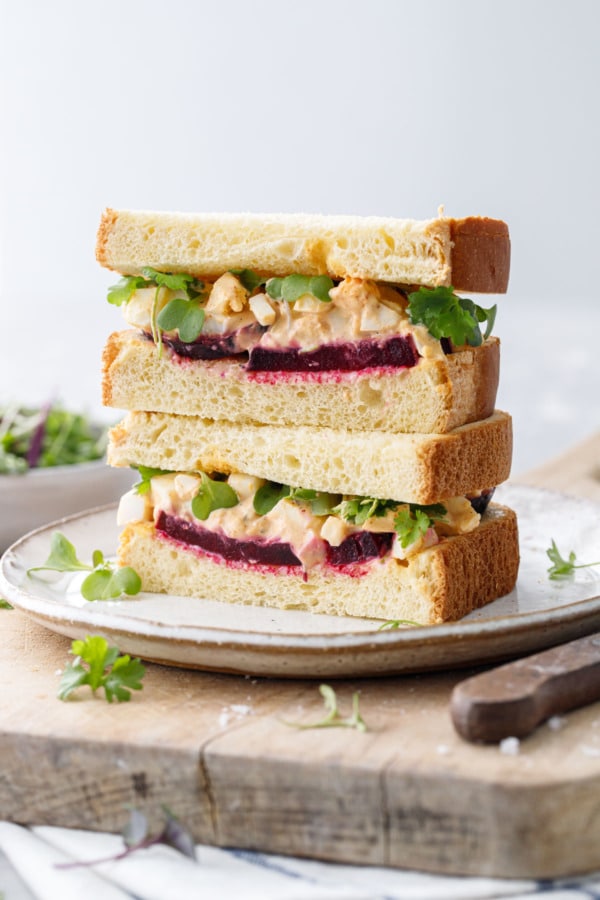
<point>472,254</point>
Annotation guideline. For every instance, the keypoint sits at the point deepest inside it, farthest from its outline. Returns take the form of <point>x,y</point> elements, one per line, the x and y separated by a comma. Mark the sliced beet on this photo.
<point>398,351</point>
<point>480,503</point>
<point>359,547</point>
<point>269,553</point>
<point>215,346</point>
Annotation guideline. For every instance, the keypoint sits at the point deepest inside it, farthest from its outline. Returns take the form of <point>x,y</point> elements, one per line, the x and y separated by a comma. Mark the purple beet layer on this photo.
<point>398,351</point>
<point>395,352</point>
<point>357,548</point>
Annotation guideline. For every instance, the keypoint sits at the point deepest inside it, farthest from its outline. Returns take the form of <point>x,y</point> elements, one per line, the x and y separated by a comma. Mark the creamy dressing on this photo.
<point>288,522</point>
<point>359,310</point>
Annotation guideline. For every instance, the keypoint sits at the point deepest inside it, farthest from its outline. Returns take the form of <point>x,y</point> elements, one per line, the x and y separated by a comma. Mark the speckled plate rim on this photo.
<point>350,652</point>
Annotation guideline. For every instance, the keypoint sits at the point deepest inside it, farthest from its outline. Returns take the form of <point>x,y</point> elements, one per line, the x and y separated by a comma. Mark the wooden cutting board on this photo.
<point>217,751</point>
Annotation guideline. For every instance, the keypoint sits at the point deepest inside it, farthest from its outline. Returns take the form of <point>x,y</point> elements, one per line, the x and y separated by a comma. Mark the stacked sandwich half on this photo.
<point>312,410</point>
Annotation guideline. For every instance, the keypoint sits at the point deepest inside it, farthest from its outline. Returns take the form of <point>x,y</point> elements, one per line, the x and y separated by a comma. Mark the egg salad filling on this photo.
<point>278,322</point>
<point>244,519</point>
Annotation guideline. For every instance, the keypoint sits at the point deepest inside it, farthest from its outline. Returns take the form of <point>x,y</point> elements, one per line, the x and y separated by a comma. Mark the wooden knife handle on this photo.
<point>512,700</point>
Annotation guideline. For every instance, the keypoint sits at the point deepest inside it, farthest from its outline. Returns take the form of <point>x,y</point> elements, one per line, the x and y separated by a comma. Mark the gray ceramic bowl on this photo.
<point>41,495</point>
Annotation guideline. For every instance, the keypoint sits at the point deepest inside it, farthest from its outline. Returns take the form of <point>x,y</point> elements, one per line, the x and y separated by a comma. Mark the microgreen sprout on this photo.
<point>212,494</point>
<point>105,581</point>
<point>136,836</point>
<point>333,719</point>
<point>562,567</point>
<point>393,624</point>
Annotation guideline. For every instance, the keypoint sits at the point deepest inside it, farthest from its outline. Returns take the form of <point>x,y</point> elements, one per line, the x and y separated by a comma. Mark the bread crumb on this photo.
<point>511,746</point>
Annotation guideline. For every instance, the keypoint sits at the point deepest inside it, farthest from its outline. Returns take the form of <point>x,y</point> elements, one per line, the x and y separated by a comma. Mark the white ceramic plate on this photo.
<point>208,634</point>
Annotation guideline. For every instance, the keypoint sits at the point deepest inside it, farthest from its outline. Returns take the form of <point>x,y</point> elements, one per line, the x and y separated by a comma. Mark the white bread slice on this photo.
<point>472,254</point>
<point>434,396</point>
<point>442,583</point>
<point>415,468</point>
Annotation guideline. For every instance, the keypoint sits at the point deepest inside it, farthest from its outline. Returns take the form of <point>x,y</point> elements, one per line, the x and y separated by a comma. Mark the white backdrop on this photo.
<point>355,106</point>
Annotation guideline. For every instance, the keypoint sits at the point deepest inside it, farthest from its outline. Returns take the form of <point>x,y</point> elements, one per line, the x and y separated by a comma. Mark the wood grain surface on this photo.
<point>217,750</point>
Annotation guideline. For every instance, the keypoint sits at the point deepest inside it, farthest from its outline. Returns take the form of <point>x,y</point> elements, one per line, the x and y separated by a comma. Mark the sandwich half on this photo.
<point>409,547</point>
<point>329,321</point>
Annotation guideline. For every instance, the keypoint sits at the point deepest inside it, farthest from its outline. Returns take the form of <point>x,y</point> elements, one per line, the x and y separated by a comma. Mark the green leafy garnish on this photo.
<point>105,581</point>
<point>412,522</point>
<point>333,719</point>
<point>4,604</point>
<point>292,287</point>
<point>445,315</point>
<point>248,279</point>
<point>146,474</point>
<point>560,566</point>
<point>212,495</point>
<point>392,624</point>
<point>46,436</point>
<point>185,316</point>
<point>269,495</point>
<point>123,291</point>
<point>100,666</point>
<point>357,510</point>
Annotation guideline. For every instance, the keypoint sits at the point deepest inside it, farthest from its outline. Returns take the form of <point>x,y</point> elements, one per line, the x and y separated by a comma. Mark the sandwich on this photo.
<point>311,410</point>
<point>309,320</point>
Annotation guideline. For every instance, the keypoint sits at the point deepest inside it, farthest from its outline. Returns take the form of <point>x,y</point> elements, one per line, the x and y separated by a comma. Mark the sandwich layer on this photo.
<point>434,396</point>
<point>443,582</point>
<point>472,254</point>
<point>416,468</point>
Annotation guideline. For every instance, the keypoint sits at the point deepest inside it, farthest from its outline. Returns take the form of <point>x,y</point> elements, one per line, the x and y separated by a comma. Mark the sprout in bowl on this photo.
<point>51,465</point>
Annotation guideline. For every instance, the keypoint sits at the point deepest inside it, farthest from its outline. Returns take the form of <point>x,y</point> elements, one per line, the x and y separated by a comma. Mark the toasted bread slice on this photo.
<point>472,254</point>
<point>414,468</point>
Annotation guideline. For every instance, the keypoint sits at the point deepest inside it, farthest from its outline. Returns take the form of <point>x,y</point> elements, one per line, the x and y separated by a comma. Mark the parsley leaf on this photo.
<point>105,581</point>
<point>100,666</point>
<point>357,510</point>
<point>413,521</point>
<point>333,719</point>
<point>561,567</point>
<point>292,287</point>
<point>212,495</point>
<point>444,314</point>
<point>4,604</point>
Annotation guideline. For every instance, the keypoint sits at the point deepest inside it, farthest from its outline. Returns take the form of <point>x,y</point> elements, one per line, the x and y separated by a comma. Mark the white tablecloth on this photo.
<point>30,862</point>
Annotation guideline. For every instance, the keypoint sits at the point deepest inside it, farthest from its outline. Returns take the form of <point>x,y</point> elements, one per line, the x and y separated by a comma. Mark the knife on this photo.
<point>513,699</point>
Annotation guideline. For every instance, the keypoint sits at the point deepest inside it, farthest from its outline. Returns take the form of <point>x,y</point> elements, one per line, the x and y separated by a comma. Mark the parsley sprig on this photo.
<point>446,315</point>
<point>100,666</point>
<point>333,718</point>
<point>562,567</point>
<point>105,581</point>
<point>357,510</point>
<point>412,522</point>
